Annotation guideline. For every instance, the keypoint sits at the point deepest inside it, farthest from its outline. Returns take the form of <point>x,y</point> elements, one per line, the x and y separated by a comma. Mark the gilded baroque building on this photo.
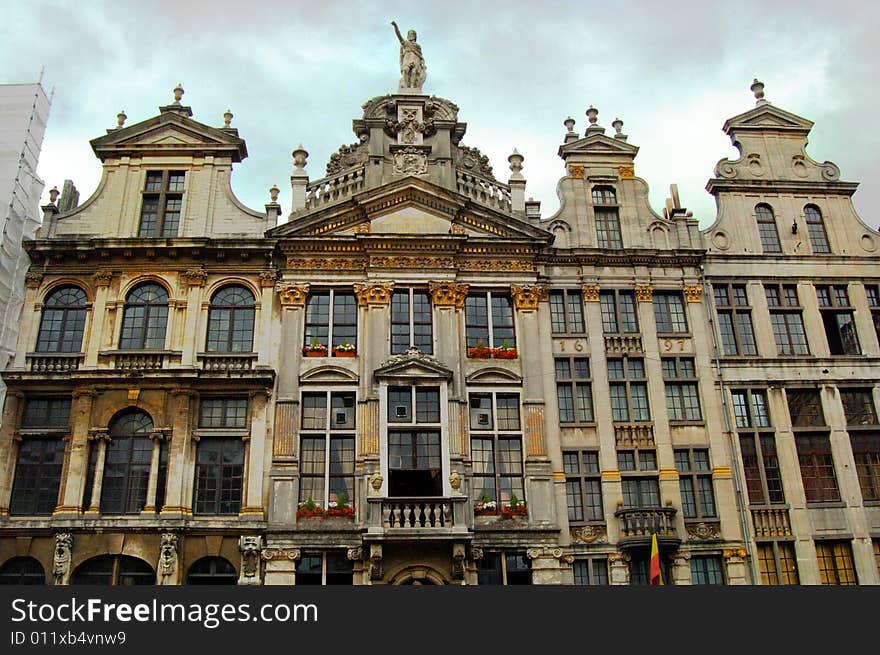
<point>415,378</point>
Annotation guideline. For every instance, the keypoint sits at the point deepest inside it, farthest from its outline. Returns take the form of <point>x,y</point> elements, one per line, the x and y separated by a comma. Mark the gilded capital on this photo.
<point>195,277</point>
<point>693,292</point>
<point>591,292</point>
<point>102,277</point>
<point>527,297</point>
<point>448,294</point>
<point>373,293</point>
<point>644,293</point>
<point>293,295</point>
<point>627,172</point>
<point>576,172</point>
<point>268,278</point>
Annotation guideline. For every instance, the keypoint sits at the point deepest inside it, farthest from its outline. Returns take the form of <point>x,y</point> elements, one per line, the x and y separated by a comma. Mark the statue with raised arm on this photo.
<point>412,65</point>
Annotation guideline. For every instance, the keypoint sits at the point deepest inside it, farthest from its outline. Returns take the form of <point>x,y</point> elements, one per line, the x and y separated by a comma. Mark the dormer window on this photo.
<point>607,217</point>
<point>767,228</point>
<point>162,202</point>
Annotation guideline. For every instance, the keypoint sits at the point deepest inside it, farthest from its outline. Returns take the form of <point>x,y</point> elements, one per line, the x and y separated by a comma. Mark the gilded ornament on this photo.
<point>693,292</point>
<point>627,172</point>
<point>576,172</point>
<point>527,297</point>
<point>448,294</point>
<point>591,292</point>
<point>644,293</point>
<point>293,295</point>
<point>373,293</point>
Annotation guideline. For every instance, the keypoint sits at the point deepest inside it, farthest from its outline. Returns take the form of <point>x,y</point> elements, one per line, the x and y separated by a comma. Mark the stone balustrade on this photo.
<point>334,188</point>
<point>54,362</point>
<point>484,191</point>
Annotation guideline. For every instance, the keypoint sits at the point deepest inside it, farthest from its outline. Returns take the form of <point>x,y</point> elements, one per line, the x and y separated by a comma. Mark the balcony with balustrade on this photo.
<point>417,518</point>
<point>639,524</point>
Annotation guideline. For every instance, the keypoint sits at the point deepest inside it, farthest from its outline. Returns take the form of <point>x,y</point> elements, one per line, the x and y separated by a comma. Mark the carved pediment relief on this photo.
<point>328,373</point>
<point>413,364</point>
<point>493,375</point>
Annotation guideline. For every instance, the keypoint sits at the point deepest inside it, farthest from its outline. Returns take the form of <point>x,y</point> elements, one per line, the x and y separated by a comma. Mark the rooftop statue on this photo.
<point>412,65</point>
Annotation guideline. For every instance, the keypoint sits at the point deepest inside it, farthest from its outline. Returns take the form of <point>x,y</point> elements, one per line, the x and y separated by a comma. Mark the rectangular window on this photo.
<point>639,490</point>
<point>839,319</point>
<point>761,467</point>
<point>496,449</point>
<point>324,568</point>
<point>574,391</point>
<point>734,319</point>
<point>506,568</point>
<point>489,321</point>
<point>566,312</point>
<point>787,319</point>
<point>331,320</point>
<point>695,483</point>
<point>162,204</point>
<point>37,477</point>
<point>858,405</point>
<point>223,413</point>
<point>817,467</point>
<point>629,389</point>
<point>619,315</point>
<point>873,293</point>
<point>608,228</point>
<point>46,413</point>
<point>866,453</point>
<point>669,312</point>
<point>836,565</point>
<point>219,476</point>
<point>778,563</point>
<point>327,448</point>
<point>583,486</point>
<point>706,570</point>
<point>805,408</point>
<point>411,321</point>
<point>682,394</point>
<point>591,571</point>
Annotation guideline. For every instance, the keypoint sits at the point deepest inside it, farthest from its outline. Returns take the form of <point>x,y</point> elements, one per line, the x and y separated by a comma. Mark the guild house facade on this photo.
<point>414,377</point>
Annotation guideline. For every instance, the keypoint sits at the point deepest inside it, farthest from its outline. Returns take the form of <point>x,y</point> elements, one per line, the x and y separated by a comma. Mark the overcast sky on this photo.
<point>294,71</point>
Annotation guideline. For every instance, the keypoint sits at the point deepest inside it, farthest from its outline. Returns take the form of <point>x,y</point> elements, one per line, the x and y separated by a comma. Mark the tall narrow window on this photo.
<point>566,312</point>
<point>778,563</point>
<point>839,319</point>
<point>695,483</point>
<point>864,436</point>
<point>767,228</point>
<point>629,389</point>
<point>489,320</point>
<point>757,444</point>
<point>813,446</point>
<point>734,319</point>
<point>639,478</point>
<point>873,293</point>
<point>411,323</point>
<point>37,476</point>
<point>583,486</point>
<point>836,566</point>
<point>618,312</point>
<point>63,321</point>
<point>127,464</point>
<point>496,447</point>
<point>574,391</point>
<point>331,320</point>
<point>327,448</point>
<point>162,203</point>
<point>220,455</point>
<point>607,217</point>
<point>816,229</point>
<point>669,312</point>
<point>787,319</point>
<point>415,463</point>
<point>231,321</point>
<point>682,393</point>
<point>144,318</point>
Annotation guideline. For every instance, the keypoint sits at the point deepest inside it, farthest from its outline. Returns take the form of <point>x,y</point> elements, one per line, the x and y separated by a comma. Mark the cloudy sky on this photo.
<point>295,71</point>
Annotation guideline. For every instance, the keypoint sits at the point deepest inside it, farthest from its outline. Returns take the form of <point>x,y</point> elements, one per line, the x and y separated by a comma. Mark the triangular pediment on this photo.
<point>598,143</point>
<point>413,364</point>
<point>328,374</point>
<point>410,207</point>
<point>169,131</point>
<point>767,116</point>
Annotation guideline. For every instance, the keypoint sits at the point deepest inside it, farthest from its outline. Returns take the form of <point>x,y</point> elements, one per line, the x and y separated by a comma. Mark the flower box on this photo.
<point>305,512</point>
<point>315,353</point>
<point>513,511</point>
<point>504,353</point>
<point>485,508</point>
<point>336,512</point>
<point>344,353</point>
<point>480,353</point>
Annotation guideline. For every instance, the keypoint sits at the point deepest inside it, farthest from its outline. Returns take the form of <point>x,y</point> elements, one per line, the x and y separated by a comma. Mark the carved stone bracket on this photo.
<point>476,554</point>
<point>168,558</point>
<point>102,277</point>
<point>268,278</point>
<point>375,561</point>
<point>375,480</point>
<point>527,297</point>
<point>62,558</point>
<point>291,554</point>
<point>458,556</point>
<point>448,294</point>
<point>693,292</point>
<point>455,481</point>
<point>644,293</point>
<point>373,293</point>
<point>195,277</point>
<point>591,292</point>
<point>250,547</point>
<point>97,434</point>
<point>618,559</point>
<point>293,295</point>
<point>355,554</point>
<point>33,280</point>
<point>547,553</point>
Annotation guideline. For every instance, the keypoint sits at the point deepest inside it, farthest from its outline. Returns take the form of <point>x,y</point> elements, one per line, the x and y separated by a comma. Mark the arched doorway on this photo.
<point>211,570</point>
<point>114,570</point>
<point>418,575</point>
<point>22,570</point>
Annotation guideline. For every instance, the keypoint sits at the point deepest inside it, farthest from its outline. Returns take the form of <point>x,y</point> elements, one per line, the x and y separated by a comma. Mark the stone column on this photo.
<point>266,350</point>
<point>255,456</point>
<point>817,342</point>
<point>100,437</point>
<point>193,280</point>
<point>180,462</point>
<point>150,507</point>
<point>735,565</point>
<point>550,565</point>
<point>863,319</point>
<point>74,484</point>
<point>280,565</point>
<point>618,563</point>
<point>102,280</point>
<point>9,443</point>
<point>30,318</point>
<point>681,568</point>
<point>764,339</point>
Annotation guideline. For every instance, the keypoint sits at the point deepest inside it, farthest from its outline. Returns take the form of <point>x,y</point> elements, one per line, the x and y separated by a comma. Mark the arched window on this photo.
<point>63,321</point>
<point>607,217</point>
<point>816,229</point>
<point>114,570</point>
<point>22,570</point>
<point>767,228</point>
<point>144,318</point>
<point>211,570</point>
<point>231,321</point>
<point>127,464</point>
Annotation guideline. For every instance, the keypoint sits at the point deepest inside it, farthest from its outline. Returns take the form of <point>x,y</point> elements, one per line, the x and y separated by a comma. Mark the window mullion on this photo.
<point>412,336</point>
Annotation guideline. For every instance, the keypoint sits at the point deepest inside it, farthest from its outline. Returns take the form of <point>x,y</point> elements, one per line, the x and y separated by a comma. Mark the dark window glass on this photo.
<point>583,486</point>
<point>331,319</point>
<point>37,477</point>
<point>219,475</point>
<point>566,312</point>
<point>574,390</point>
<point>669,312</point>
<point>231,320</point>
<point>866,453</point>
<point>411,322</point>
<point>43,412</point>
<point>706,570</point>
<point>816,229</point>
<point>805,408</point>
<point>63,321</point>
<point>767,228</point>
<point>127,464</point>
<point>144,318</point>
<point>858,405</point>
<point>778,563</point>
<point>619,313</point>
<point>836,566</point>
<point>211,571</point>
<point>162,204</point>
<point>223,413</point>
<point>114,570</point>
<point>490,328</point>
<point>22,571</point>
<point>817,468</point>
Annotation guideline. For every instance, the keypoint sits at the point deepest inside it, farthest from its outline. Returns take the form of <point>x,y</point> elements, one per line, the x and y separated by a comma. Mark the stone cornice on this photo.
<point>717,185</point>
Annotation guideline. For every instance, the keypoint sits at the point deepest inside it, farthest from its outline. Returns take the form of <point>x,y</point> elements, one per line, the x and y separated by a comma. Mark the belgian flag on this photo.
<point>656,574</point>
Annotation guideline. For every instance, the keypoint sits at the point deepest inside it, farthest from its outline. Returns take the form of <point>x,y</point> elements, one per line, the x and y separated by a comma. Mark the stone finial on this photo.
<point>592,115</point>
<point>273,193</point>
<point>516,161</point>
<point>53,194</point>
<point>120,118</point>
<point>300,157</point>
<point>758,89</point>
<point>618,129</point>
<point>569,124</point>
<point>227,117</point>
<point>178,93</point>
